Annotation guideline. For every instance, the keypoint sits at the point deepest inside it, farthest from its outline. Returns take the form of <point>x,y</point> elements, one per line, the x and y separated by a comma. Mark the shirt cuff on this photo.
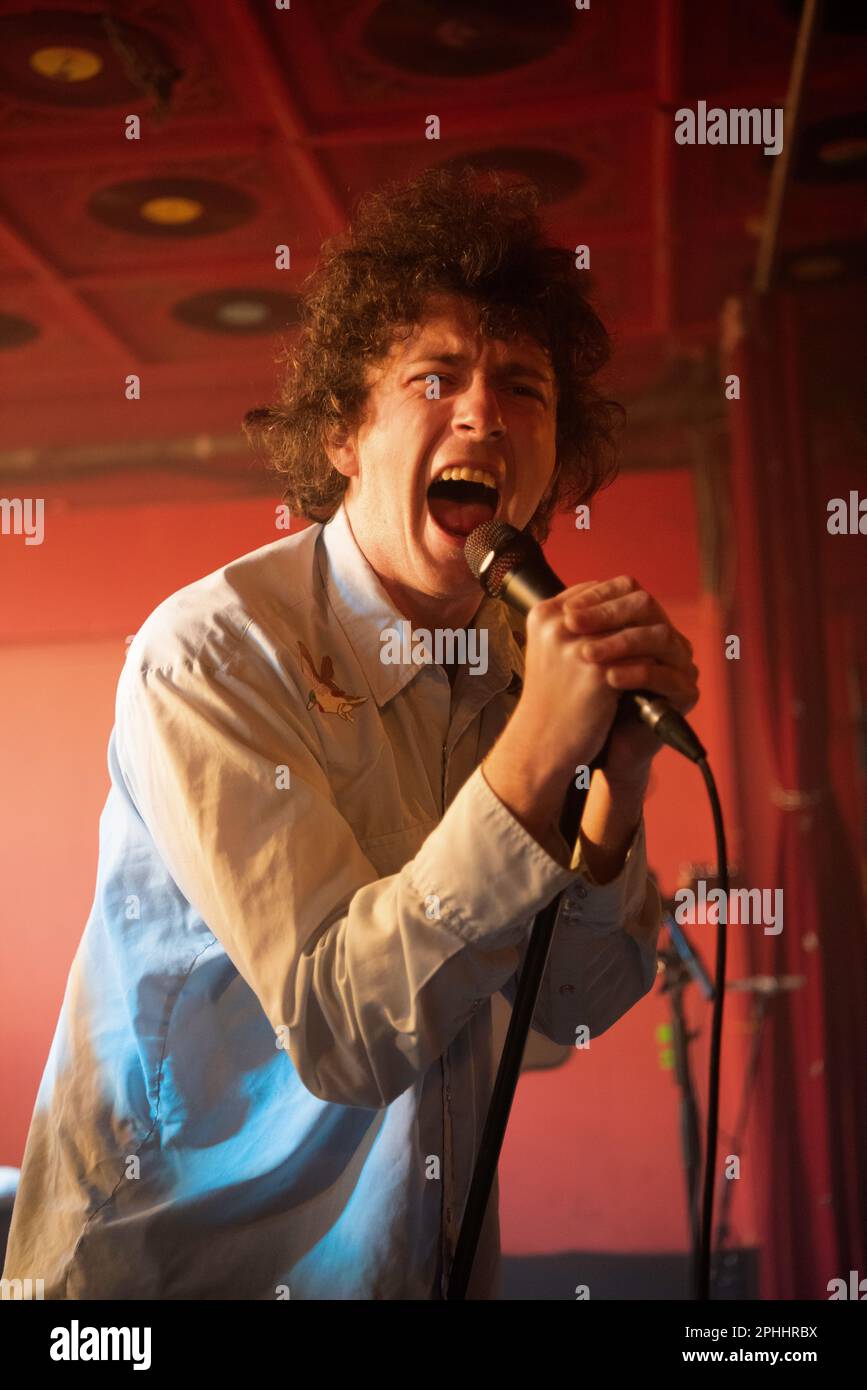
<point>489,874</point>
<point>602,908</point>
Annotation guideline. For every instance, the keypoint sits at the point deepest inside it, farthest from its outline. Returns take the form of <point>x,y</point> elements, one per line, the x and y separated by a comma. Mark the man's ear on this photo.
<point>341,450</point>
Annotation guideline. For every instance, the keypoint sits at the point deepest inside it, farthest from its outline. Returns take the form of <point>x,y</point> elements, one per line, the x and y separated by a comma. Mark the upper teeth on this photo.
<point>468,475</point>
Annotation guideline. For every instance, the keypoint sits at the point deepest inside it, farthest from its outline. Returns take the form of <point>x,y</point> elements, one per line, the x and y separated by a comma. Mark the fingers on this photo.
<point>582,597</point>
<point>591,611</point>
<point>596,591</point>
<point>676,685</point>
<point>656,640</point>
<point>626,632</point>
<point>619,604</point>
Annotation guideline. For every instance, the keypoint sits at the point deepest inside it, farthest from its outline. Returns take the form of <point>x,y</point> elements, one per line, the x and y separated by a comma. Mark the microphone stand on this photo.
<point>764,988</point>
<point>678,973</point>
<point>724,1280</point>
<point>512,1055</point>
<point>683,965</point>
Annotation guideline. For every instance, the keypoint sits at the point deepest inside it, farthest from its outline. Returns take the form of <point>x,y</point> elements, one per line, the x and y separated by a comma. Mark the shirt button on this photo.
<point>449,1094</point>
<point>448,1215</point>
<point>476,1003</point>
<point>567,989</point>
<point>580,890</point>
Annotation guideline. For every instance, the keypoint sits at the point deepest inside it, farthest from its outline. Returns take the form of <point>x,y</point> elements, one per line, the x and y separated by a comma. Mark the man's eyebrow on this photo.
<point>513,368</point>
<point>523,369</point>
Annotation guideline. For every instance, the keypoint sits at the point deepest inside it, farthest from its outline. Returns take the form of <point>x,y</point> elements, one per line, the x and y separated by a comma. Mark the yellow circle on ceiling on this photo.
<point>171,212</point>
<point>64,64</point>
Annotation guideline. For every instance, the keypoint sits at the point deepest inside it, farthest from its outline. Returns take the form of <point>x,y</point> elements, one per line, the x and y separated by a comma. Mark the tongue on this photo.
<point>459,517</point>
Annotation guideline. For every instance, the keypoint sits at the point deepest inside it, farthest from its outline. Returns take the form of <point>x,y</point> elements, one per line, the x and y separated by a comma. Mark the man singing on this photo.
<point>274,1059</point>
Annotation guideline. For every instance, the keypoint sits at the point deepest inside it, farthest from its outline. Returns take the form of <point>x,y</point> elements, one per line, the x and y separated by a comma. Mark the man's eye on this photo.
<point>439,376</point>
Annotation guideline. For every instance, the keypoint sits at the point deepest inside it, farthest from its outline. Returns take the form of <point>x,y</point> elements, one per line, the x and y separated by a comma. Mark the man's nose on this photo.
<point>477,410</point>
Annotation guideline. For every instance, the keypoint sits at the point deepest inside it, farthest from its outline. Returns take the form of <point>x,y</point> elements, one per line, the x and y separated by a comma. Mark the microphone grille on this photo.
<point>509,546</point>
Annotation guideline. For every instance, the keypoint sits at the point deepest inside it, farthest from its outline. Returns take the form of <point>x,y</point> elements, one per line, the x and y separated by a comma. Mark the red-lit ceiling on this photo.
<point>260,126</point>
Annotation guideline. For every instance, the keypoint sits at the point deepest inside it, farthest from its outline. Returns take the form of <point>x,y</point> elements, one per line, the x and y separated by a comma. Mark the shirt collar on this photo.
<point>364,610</point>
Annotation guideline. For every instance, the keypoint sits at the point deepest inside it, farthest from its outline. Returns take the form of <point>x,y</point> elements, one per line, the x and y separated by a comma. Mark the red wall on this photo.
<point>592,1157</point>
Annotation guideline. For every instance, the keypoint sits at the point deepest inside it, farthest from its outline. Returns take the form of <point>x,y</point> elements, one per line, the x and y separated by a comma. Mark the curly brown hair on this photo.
<point>447,230</point>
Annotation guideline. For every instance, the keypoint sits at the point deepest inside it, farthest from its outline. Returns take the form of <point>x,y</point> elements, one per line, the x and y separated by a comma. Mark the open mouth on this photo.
<point>458,506</point>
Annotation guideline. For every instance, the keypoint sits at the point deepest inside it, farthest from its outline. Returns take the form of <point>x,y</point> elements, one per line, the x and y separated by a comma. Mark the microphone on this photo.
<point>509,564</point>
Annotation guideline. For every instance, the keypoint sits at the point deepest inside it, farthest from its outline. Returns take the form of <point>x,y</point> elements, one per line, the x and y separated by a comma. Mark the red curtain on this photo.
<point>809,1111</point>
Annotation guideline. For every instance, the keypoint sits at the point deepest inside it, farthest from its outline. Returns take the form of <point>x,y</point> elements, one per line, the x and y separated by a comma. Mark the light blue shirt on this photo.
<point>274,1056</point>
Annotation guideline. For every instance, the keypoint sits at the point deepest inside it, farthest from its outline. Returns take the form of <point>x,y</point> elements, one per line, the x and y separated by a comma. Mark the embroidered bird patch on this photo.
<point>325,695</point>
